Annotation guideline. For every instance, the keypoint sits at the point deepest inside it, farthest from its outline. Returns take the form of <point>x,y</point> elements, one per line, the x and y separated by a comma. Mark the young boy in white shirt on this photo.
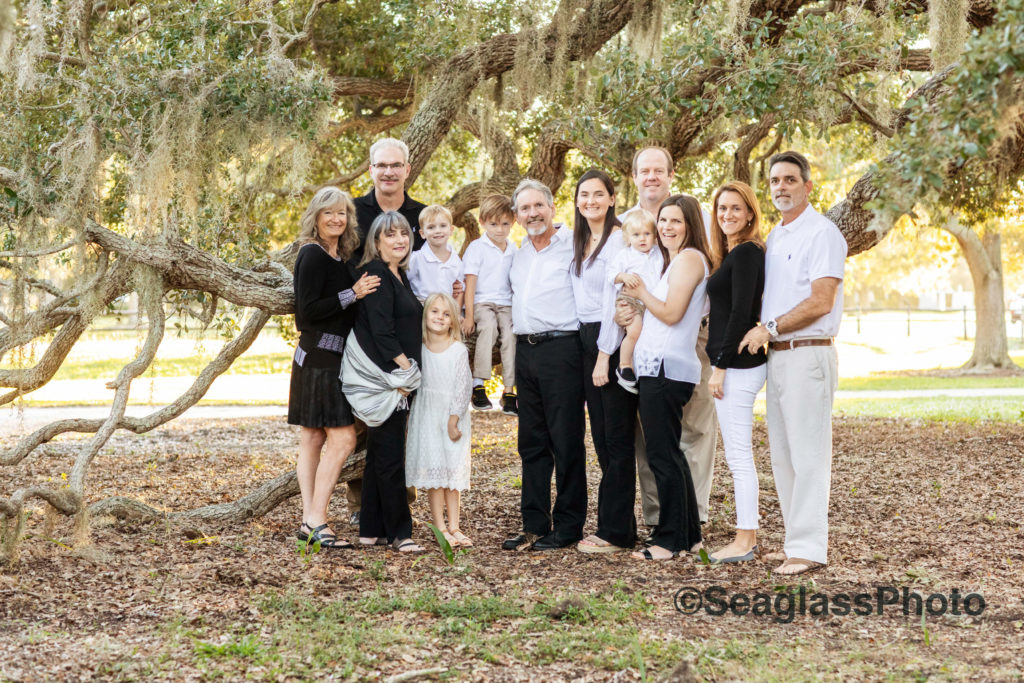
<point>435,266</point>
<point>488,300</point>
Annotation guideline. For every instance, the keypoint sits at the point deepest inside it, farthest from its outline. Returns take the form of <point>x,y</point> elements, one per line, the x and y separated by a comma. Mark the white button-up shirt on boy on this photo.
<point>429,274</point>
<point>491,265</point>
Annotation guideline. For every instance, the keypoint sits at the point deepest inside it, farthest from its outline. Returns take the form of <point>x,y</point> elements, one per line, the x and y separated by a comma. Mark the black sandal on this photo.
<point>646,553</point>
<point>413,546</point>
<point>327,539</point>
<point>303,533</point>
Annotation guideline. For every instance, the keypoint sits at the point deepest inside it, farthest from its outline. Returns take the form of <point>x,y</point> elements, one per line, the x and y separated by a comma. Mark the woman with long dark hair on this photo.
<point>596,240</point>
<point>735,288</point>
<point>667,368</point>
<point>325,289</point>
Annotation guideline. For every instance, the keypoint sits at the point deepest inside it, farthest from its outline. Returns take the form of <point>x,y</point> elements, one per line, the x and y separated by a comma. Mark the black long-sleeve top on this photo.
<point>367,209</point>
<point>323,292</point>
<point>734,291</point>
<point>389,321</point>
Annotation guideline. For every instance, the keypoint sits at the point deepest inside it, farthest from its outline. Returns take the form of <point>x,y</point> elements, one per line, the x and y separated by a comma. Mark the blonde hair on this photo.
<point>750,233</point>
<point>432,211</point>
<point>454,330</point>
<point>325,198</point>
<point>386,224</point>
<point>638,218</point>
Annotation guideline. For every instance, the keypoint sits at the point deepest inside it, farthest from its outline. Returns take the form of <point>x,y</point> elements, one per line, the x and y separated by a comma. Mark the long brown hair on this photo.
<point>694,237</point>
<point>750,233</point>
<point>581,228</point>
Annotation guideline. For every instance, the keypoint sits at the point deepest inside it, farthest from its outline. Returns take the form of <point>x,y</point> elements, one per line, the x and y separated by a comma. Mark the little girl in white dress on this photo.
<point>437,448</point>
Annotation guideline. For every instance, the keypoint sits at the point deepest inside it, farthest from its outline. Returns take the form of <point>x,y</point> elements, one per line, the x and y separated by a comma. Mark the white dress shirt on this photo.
<point>591,289</point>
<point>542,294</point>
<point>429,274</point>
<point>797,254</point>
<point>491,265</point>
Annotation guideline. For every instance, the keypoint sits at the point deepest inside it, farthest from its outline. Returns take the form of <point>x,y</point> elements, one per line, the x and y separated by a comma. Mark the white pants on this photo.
<point>801,388</point>
<point>736,420</point>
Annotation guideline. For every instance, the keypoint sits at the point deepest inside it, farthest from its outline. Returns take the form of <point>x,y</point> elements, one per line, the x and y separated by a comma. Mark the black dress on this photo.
<point>324,316</point>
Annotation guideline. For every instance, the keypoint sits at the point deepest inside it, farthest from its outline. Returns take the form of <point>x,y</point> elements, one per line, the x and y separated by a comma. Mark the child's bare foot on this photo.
<point>450,537</point>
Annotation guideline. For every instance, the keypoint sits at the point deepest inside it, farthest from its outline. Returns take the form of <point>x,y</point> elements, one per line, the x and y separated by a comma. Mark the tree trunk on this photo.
<point>984,259</point>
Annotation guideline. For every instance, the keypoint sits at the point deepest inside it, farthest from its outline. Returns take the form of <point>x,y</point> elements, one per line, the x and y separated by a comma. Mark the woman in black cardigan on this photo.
<point>388,327</point>
<point>734,290</point>
<point>325,289</point>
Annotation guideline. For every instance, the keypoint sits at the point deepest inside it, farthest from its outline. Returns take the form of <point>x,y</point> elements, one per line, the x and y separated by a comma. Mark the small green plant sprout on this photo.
<point>307,550</point>
<point>446,547</point>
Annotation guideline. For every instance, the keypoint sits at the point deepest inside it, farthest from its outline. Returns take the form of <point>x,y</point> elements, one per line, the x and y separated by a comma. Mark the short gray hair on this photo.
<point>385,224</point>
<point>389,142</point>
<point>531,184</point>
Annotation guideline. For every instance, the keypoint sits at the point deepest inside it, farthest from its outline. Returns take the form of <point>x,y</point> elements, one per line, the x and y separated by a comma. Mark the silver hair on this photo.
<point>389,142</point>
<point>531,184</point>
<point>384,224</point>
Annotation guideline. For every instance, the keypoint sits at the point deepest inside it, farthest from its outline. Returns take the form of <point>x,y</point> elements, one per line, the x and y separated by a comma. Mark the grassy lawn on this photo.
<point>901,382</point>
<point>938,409</point>
<point>107,368</point>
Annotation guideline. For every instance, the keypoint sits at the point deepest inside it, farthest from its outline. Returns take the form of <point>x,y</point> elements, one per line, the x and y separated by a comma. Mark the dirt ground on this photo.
<point>932,508</point>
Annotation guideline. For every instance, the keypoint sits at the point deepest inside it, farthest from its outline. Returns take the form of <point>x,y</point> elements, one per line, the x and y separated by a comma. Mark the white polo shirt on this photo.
<point>491,265</point>
<point>809,248</point>
<point>428,274</point>
<point>542,296</point>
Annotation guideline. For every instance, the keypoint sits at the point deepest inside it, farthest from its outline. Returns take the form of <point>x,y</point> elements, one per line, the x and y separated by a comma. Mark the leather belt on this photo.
<point>541,337</point>
<point>797,343</point>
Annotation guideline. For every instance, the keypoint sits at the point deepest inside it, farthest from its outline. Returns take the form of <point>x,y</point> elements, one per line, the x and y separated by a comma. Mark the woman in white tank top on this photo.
<point>667,367</point>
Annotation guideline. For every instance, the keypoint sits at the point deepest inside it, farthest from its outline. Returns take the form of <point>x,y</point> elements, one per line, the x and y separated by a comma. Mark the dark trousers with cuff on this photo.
<point>383,510</point>
<point>661,417</point>
<point>549,378</point>
<point>612,412</point>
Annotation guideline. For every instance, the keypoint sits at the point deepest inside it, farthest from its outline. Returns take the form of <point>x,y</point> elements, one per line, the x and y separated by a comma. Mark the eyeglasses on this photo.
<point>389,167</point>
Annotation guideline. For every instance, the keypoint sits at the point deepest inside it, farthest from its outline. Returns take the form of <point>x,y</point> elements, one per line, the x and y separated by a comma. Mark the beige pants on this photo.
<point>492,320</point>
<point>801,388</point>
<point>699,439</point>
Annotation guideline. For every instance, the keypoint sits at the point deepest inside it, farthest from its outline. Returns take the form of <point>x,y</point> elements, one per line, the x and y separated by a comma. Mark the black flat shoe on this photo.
<point>523,541</point>
<point>552,542</point>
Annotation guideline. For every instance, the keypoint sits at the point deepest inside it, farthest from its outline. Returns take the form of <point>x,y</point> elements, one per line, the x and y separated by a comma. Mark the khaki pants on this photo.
<point>492,320</point>
<point>801,388</point>
<point>698,442</point>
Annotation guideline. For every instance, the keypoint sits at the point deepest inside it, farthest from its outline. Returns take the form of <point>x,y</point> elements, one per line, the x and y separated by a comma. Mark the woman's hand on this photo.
<point>717,382</point>
<point>600,375</point>
<point>624,314</point>
<point>468,325</point>
<point>403,361</point>
<point>367,284</point>
<point>637,291</point>
<point>453,428</point>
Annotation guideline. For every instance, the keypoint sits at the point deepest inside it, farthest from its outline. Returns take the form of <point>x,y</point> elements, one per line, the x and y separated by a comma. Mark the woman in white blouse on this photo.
<point>596,240</point>
<point>667,369</point>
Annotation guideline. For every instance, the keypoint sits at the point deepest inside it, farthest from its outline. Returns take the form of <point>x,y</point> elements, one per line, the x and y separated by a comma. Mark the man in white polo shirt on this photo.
<point>549,377</point>
<point>800,314</point>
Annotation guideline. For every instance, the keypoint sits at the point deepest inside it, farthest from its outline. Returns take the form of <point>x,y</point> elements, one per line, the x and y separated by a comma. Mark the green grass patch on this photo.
<point>902,382</point>
<point>935,409</point>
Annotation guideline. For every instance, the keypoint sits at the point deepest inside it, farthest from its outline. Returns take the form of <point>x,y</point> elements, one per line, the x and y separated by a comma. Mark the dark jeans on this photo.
<point>549,378</point>
<point>661,417</point>
<point>612,412</point>
<point>384,511</point>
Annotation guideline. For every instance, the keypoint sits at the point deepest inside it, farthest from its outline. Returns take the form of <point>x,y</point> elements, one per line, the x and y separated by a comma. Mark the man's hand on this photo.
<point>754,340</point>
<point>600,375</point>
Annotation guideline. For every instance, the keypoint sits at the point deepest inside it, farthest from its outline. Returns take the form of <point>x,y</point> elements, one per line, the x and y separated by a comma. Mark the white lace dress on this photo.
<point>432,460</point>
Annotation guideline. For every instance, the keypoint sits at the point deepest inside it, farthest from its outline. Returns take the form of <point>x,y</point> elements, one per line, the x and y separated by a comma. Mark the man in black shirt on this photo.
<point>389,169</point>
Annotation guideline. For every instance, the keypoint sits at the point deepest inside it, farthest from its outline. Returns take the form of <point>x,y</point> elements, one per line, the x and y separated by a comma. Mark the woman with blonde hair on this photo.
<point>734,289</point>
<point>325,290</point>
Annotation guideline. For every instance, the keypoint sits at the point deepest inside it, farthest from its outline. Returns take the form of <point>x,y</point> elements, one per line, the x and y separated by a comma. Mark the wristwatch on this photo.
<point>773,328</point>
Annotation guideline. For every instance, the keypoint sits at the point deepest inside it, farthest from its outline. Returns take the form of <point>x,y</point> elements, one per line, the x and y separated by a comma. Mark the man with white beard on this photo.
<point>800,314</point>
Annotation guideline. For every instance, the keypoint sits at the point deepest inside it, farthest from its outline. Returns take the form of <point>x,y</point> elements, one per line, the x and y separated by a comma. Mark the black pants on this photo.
<point>612,412</point>
<point>549,377</point>
<point>661,417</point>
<point>383,510</point>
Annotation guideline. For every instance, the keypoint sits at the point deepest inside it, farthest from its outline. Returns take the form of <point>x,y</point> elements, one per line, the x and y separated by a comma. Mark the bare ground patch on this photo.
<point>929,507</point>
